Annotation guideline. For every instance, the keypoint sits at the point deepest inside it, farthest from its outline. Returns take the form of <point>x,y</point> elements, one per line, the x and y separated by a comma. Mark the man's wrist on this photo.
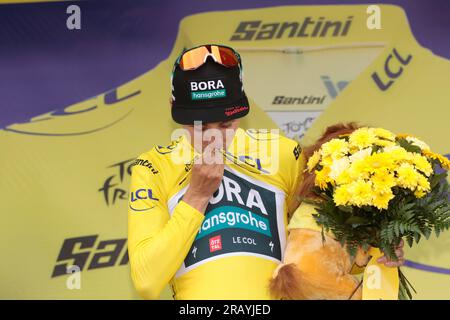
<point>198,202</point>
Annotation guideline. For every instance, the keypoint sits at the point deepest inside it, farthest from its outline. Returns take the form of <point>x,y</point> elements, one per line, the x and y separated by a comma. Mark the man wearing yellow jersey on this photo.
<point>212,229</point>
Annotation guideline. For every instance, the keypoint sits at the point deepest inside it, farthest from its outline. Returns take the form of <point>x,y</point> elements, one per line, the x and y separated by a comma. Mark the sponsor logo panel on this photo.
<point>294,123</point>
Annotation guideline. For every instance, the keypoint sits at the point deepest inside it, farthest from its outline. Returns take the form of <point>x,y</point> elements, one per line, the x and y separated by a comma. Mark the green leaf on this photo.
<point>356,220</point>
<point>417,237</point>
<point>426,232</point>
<point>408,146</point>
<point>348,209</point>
<point>410,241</point>
<point>396,229</point>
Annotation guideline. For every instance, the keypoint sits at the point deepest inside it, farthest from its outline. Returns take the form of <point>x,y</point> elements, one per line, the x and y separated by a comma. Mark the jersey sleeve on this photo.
<point>157,242</point>
<point>294,164</point>
<point>303,218</point>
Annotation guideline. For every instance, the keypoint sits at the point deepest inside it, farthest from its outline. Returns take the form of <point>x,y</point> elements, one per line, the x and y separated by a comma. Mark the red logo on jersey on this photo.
<point>215,243</point>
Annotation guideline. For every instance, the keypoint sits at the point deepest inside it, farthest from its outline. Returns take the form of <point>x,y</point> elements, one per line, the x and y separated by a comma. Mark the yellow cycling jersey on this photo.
<point>322,65</point>
<point>231,251</point>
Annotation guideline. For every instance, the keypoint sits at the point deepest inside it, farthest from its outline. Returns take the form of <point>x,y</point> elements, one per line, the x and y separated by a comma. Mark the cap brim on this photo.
<point>187,115</point>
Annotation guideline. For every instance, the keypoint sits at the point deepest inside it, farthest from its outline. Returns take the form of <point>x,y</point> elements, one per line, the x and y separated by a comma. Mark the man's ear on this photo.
<point>171,101</point>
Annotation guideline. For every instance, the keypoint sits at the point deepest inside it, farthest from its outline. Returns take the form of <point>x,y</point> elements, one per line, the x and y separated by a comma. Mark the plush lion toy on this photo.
<point>312,268</point>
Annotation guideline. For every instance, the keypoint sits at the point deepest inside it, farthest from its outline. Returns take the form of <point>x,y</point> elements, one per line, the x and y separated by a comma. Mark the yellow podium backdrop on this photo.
<point>65,174</point>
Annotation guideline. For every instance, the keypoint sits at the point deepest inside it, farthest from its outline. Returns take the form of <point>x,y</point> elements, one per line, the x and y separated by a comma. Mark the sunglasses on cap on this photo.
<point>196,57</point>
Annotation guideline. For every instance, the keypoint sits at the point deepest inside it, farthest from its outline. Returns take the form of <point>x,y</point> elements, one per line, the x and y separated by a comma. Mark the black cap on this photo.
<point>210,93</point>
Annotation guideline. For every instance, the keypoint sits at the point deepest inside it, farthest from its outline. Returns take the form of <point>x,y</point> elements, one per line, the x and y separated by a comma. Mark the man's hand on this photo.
<point>207,173</point>
<point>400,256</point>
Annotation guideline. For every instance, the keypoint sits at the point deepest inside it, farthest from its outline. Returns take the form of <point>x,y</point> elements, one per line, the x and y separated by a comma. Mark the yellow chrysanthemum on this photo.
<point>407,176</point>
<point>358,170</point>
<point>384,143</point>
<point>423,184</point>
<point>445,163</point>
<point>343,178</point>
<point>338,166</point>
<point>336,148</point>
<point>421,163</point>
<point>361,191</point>
<point>342,195</point>
<point>419,194</point>
<point>397,153</point>
<point>313,161</point>
<point>361,154</point>
<point>383,180</point>
<point>381,199</point>
<point>378,161</point>
<point>362,138</point>
<point>322,178</point>
<point>403,135</point>
<point>353,149</point>
<point>384,134</point>
<point>326,161</point>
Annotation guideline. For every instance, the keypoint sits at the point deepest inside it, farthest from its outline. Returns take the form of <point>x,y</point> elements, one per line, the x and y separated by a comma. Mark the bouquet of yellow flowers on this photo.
<point>377,188</point>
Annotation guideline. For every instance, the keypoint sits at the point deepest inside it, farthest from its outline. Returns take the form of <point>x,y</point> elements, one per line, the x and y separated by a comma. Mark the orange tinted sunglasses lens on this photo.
<point>194,58</point>
<point>225,56</point>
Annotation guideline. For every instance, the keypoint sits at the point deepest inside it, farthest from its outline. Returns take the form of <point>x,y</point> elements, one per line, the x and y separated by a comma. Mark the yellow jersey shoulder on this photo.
<point>159,157</point>
<point>288,150</point>
<point>163,167</point>
<point>274,135</point>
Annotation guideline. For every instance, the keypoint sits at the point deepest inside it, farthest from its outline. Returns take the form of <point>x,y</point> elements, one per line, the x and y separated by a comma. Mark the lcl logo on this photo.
<point>393,68</point>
